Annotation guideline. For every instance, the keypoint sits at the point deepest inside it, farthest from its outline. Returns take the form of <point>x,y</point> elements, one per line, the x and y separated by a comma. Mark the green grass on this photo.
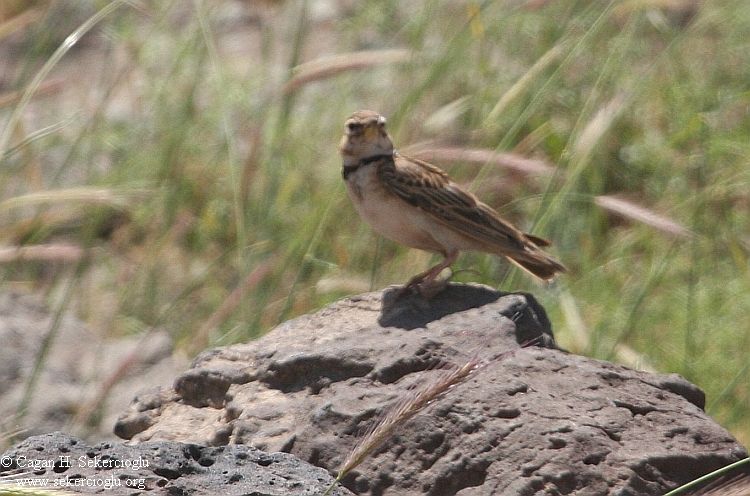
<point>206,170</point>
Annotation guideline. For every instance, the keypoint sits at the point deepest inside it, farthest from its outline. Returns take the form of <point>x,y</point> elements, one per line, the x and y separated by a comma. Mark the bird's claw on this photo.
<point>426,287</point>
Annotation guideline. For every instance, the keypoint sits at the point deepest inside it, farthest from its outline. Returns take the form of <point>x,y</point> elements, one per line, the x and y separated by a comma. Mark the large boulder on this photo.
<point>540,421</point>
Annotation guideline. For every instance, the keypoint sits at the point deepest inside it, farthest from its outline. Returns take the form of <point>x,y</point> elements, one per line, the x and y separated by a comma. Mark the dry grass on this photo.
<point>412,403</point>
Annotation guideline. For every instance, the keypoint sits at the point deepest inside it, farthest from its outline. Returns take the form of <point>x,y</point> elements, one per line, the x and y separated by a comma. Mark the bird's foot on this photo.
<point>426,285</point>
<point>407,289</point>
<point>430,289</point>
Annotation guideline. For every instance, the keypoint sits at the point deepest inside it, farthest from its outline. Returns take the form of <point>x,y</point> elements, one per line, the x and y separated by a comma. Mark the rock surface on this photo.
<point>161,468</point>
<point>73,376</point>
<point>538,422</point>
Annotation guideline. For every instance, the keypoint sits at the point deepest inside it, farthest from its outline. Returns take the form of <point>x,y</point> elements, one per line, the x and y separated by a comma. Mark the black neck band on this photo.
<point>351,168</point>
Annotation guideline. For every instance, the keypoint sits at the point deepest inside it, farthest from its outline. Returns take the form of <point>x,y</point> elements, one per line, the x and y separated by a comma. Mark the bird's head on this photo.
<point>364,137</point>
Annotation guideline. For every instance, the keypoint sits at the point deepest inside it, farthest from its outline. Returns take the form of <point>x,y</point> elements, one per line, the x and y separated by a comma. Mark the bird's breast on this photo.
<point>388,214</point>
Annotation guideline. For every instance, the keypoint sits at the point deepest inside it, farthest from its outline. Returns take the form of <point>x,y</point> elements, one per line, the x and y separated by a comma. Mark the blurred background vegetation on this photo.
<point>171,164</point>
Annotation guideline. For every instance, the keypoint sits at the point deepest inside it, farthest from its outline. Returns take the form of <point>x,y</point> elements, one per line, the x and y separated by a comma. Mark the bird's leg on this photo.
<point>425,283</point>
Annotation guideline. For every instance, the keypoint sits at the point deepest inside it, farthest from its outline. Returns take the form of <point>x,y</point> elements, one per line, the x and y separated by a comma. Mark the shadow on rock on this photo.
<point>412,311</point>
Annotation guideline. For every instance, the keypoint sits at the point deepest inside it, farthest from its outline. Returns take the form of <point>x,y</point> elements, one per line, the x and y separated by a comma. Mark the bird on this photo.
<point>416,204</point>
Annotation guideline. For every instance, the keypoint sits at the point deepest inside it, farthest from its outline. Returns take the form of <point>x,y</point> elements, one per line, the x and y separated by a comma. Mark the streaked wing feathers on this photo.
<point>429,188</point>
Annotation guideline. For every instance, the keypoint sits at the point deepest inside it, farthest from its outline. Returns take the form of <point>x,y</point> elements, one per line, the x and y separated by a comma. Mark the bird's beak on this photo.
<point>345,146</point>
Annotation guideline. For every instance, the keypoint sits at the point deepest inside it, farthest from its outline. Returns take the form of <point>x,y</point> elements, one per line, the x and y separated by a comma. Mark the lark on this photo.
<point>416,204</point>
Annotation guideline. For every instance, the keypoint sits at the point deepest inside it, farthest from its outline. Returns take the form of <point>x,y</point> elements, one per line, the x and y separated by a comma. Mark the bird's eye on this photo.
<point>353,127</point>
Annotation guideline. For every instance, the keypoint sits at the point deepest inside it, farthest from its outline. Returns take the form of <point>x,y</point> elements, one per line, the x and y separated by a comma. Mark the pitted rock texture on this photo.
<point>539,421</point>
<point>160,468</point>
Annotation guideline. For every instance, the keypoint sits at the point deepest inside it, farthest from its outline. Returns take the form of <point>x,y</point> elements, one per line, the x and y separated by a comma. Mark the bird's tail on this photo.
<point>535,261</point>
<point>536,240</point>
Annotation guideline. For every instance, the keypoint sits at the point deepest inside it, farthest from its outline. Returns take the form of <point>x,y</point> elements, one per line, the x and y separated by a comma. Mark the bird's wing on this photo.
<point>429,188</point>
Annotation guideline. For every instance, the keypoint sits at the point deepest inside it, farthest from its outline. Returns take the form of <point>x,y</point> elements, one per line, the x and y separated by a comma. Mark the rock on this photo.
<point>161,467</point>
<point>72,375</point>
<point>540,421</point>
